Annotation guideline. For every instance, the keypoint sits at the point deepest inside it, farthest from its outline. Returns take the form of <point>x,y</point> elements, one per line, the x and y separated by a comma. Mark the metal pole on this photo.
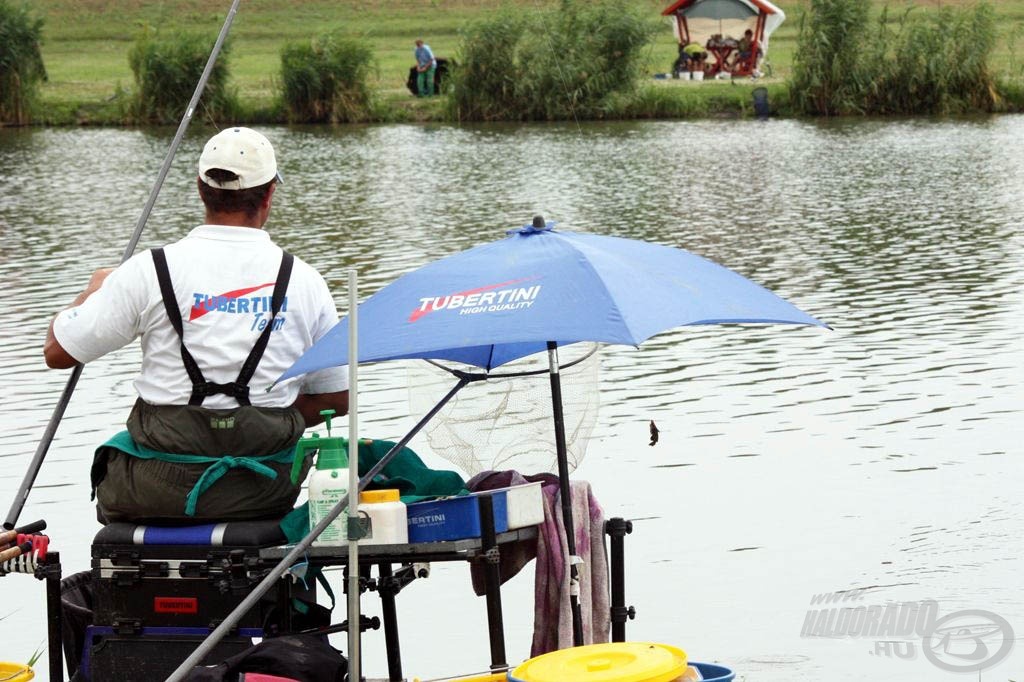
<point>69,388</point>
<point>565,494</point>
<point>392,643</point>
<point>55,641</point>
<point>298,550</point>
<point>617,528</point>
<point>353,481</point>
<point>492,583</point>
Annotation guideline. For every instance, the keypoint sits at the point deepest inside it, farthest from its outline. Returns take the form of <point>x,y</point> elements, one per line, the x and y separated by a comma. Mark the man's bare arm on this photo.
<point>310,405</point>
<point>56,356</point>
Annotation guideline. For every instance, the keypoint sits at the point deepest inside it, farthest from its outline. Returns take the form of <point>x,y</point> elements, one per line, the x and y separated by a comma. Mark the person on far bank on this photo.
<point>221,314</point>
<point>426,65</point>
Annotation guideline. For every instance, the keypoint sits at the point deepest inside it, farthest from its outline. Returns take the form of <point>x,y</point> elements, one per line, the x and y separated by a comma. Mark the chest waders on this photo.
<point>172,454</point>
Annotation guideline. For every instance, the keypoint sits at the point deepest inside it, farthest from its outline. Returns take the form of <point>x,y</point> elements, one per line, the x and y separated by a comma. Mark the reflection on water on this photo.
<point>884,454</point>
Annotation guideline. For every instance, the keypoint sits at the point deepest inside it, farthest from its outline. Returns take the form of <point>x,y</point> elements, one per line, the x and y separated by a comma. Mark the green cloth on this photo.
<point>218,465</point>
<point>693,49</point>
<point>407,473</point>
<point>414,480</point>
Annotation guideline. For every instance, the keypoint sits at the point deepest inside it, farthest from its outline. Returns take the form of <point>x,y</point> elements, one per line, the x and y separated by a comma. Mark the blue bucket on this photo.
<point>714,673</point>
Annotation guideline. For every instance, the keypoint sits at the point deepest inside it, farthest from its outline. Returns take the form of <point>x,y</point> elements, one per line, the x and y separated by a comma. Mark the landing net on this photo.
<point>507,422</point>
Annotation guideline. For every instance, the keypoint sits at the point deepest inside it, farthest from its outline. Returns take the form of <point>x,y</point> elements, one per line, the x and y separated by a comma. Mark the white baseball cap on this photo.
<point>244,152</point>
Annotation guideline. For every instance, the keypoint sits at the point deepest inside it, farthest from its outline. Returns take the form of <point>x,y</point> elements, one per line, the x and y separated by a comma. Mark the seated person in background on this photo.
<point>744,50</point>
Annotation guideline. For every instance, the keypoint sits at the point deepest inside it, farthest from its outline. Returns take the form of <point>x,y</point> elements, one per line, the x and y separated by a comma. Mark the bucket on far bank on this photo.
<point>697,75</point>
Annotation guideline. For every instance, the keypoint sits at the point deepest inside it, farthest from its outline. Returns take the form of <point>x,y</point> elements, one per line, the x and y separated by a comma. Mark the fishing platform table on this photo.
<point>154,594</point>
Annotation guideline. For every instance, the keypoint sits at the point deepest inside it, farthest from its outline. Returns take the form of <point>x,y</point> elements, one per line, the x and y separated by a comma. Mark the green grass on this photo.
<point>86,44</point>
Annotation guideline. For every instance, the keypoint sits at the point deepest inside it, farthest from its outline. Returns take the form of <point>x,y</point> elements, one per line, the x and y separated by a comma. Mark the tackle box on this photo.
<point>149,576</point>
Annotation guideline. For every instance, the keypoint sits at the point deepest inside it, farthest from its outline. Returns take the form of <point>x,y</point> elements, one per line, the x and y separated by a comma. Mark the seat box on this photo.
<point>173,585</point>
<point>454,518</point>
<point>187,589</point>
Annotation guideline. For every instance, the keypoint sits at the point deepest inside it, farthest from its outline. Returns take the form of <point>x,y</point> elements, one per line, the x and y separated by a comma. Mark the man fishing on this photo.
<point>220,314</point>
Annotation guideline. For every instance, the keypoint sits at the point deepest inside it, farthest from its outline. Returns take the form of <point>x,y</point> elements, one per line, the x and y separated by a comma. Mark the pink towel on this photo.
<point>552,625</point>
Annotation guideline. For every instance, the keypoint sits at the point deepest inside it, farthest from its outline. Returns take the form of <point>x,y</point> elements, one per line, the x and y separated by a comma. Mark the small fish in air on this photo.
<point>654,434</point>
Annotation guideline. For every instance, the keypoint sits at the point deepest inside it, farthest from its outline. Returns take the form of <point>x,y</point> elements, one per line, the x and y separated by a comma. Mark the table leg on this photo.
<point>52,570</point>
<point>387,606</point>
<point>492,583</point>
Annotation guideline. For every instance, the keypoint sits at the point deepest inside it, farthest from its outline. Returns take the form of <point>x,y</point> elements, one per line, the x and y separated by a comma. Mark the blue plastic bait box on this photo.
<point>454,518</point>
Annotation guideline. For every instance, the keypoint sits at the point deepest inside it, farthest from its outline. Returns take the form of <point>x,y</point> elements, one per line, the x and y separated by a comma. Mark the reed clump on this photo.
<point>561,63</point>
<point>830,74</point>
<point>933,61</point>
<point>166,69</point>
<point>939,64</point>
<point>21,63</point>
<point>326,80</point>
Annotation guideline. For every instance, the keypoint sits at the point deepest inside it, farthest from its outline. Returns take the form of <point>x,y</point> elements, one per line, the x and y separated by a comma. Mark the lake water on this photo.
<point>885,454</point>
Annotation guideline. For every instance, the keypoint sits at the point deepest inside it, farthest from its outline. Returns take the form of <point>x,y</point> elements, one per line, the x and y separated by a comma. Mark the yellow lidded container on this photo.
<point>378,496</point>
<point>488,677</point>
<point>611,662</point>
<point>15,672</point>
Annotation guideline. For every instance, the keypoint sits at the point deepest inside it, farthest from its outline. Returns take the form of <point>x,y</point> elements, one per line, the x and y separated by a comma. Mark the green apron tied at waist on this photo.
<point>219,466</point>
<point>217,470</point>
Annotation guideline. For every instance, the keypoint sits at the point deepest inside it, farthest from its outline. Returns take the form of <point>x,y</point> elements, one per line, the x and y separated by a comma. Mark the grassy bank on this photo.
<point>86,45</point>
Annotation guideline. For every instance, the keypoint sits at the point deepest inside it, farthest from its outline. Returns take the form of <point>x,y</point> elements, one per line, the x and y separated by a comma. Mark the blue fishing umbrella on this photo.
<point>539,289</point>
<point>504,300</point>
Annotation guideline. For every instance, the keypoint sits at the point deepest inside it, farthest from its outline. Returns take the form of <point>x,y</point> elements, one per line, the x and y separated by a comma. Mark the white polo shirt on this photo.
<point>223,278</point>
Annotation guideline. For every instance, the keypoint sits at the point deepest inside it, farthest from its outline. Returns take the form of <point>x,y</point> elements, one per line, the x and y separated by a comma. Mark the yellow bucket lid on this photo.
<point>611,662</point>
<point>15,672</point>
<point>377,496</point>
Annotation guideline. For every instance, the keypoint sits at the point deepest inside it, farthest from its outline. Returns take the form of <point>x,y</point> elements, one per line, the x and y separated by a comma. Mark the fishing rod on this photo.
<point>76,373</point>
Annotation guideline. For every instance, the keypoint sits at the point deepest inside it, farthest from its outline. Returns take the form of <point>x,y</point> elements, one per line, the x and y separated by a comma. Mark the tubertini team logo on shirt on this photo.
<point>239,302</point>
<point>487,299</point>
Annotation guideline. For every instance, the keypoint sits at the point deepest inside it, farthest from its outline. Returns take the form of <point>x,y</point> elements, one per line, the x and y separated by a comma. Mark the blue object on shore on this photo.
<point>761,108</point>
<point>714,673</point>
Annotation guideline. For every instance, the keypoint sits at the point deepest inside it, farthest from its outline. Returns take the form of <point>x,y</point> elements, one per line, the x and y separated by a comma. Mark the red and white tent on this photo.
<point>698,20</point>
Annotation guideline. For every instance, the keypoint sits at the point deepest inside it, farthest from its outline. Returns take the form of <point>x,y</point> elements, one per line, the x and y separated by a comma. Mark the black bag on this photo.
<point>76,600</point>
<point>306,658</point>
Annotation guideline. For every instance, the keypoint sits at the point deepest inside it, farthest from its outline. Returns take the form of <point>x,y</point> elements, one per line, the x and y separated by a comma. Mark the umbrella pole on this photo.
<point>565,494</point>
<point>353,534</point>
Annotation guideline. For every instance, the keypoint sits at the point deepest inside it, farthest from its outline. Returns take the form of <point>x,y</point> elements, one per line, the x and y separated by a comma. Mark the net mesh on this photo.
<point>507,422</point>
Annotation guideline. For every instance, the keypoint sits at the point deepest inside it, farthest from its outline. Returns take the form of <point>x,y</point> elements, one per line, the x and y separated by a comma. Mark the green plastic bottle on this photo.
<point>329,482</point>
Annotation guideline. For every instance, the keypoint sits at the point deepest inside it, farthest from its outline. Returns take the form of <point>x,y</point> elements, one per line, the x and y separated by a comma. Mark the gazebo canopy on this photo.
<point>698,20</point>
